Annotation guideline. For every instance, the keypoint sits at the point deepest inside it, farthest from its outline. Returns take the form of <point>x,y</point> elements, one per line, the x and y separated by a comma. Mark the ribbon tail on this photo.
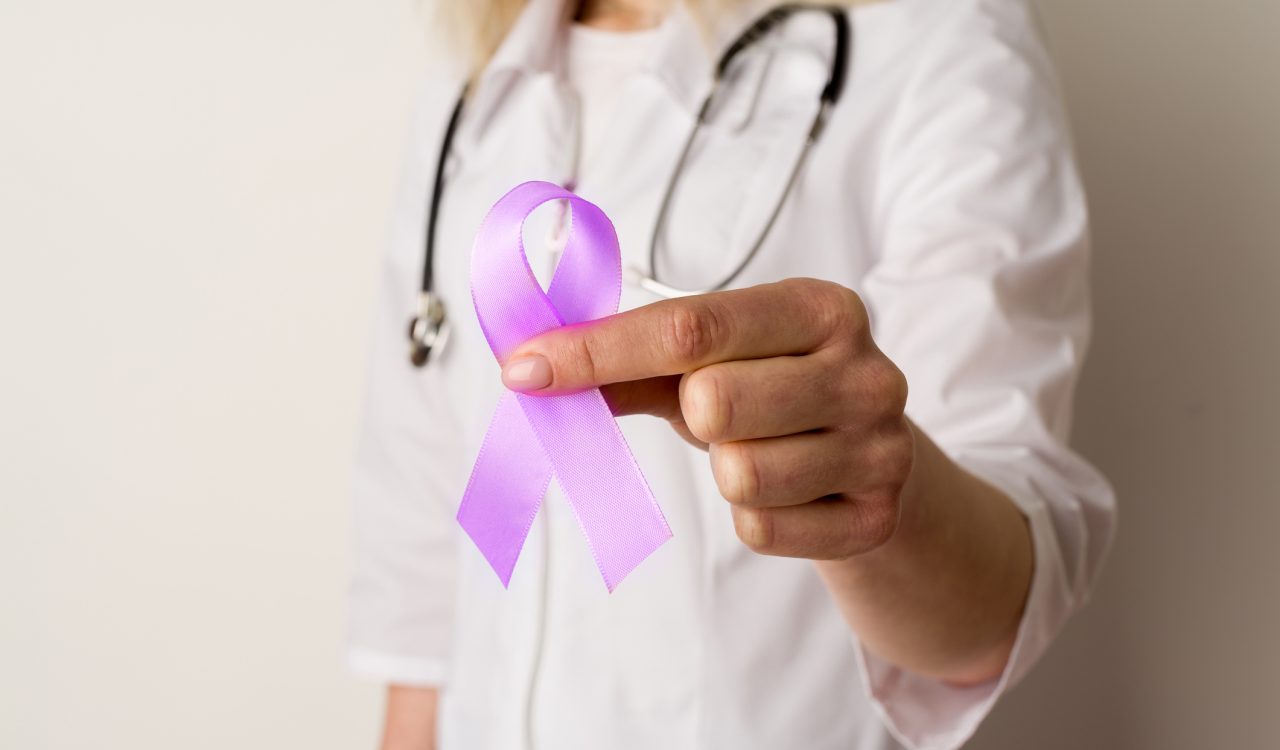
<point>507,485</point>
<point>601,479</point>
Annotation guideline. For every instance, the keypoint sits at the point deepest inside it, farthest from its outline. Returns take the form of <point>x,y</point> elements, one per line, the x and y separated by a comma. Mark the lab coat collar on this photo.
<point>530,46</point>
<point>682,60</point>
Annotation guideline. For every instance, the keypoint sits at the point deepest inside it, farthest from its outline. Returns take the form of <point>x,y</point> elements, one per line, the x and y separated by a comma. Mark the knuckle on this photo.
<point>849,545</point>
<point>893,386</point>
<point>902,456</point>
<point>878,524</point>
<point>901,391</point>
<point>842,538</point>
<point>754,528</point>
<point>575,360</point>
<point>809,288</point>
<point>886,385</point>
<point>690,332</point>
<point>707,406</point>
<point>736,474</point>
<point>840,310</point>
<point>872,523</point>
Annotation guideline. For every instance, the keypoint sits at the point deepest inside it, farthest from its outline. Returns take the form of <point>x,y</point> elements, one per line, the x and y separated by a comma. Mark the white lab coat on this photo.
<point>943,191</point>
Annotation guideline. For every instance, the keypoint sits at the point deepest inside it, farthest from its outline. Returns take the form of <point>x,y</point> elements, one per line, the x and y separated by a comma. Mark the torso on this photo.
<point>677,656</point>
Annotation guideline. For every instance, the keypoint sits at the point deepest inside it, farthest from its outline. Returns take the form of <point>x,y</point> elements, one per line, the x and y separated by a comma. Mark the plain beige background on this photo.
<point>192,200</point>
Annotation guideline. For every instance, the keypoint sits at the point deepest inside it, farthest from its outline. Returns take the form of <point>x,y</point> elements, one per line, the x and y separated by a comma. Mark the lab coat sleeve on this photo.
<point>401,596</point>
<point>981,298</point>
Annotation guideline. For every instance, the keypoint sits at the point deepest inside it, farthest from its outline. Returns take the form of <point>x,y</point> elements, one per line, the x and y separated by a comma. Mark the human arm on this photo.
<point>969,544</point>
<point>409,719</point>
<point>803,419</point>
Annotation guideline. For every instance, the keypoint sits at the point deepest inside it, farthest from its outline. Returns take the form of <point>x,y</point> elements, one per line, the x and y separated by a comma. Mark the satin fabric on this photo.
<point>572,436</point>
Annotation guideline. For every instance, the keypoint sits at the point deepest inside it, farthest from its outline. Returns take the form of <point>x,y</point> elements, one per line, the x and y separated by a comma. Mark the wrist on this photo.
<point>943,596</point>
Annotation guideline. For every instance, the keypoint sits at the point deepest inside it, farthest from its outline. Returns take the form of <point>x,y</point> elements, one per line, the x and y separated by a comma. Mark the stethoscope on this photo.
<point>428,329</point>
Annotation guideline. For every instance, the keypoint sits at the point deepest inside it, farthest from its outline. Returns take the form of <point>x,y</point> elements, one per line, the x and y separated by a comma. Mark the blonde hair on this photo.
<point>475,28</point>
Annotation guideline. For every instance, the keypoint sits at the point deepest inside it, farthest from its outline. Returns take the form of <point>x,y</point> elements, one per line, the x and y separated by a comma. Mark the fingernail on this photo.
<point>530,373</point>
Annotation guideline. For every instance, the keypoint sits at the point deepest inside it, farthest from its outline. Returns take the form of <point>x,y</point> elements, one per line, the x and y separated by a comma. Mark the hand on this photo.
<point>802,414</point>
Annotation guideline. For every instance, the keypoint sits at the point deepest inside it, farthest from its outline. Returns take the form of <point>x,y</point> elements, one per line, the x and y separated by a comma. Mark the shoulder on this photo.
<point>933,56</point>
<point>950,15</point>
<point>914,34</point>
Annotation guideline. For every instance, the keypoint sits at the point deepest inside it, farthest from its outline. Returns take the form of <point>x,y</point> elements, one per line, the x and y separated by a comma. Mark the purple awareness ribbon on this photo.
<point>573,436</point>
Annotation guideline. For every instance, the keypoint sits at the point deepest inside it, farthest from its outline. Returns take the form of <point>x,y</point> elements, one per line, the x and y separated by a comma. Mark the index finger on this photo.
<point>796,316</point>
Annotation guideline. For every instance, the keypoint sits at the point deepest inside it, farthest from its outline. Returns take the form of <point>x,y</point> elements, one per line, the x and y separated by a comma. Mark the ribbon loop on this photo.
<point>571,436</point>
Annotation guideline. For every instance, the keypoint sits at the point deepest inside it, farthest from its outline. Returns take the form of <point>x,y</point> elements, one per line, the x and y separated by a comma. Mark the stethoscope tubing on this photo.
<point>428,329</point>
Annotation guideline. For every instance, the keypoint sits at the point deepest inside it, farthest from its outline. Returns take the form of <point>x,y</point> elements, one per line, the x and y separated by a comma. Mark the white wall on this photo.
<point>1177,112</point>
<point>192,199</point>
<point>192,196</point>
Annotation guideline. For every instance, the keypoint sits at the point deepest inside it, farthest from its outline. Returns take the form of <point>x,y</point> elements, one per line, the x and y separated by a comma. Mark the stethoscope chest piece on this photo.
<point>428,330</point>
